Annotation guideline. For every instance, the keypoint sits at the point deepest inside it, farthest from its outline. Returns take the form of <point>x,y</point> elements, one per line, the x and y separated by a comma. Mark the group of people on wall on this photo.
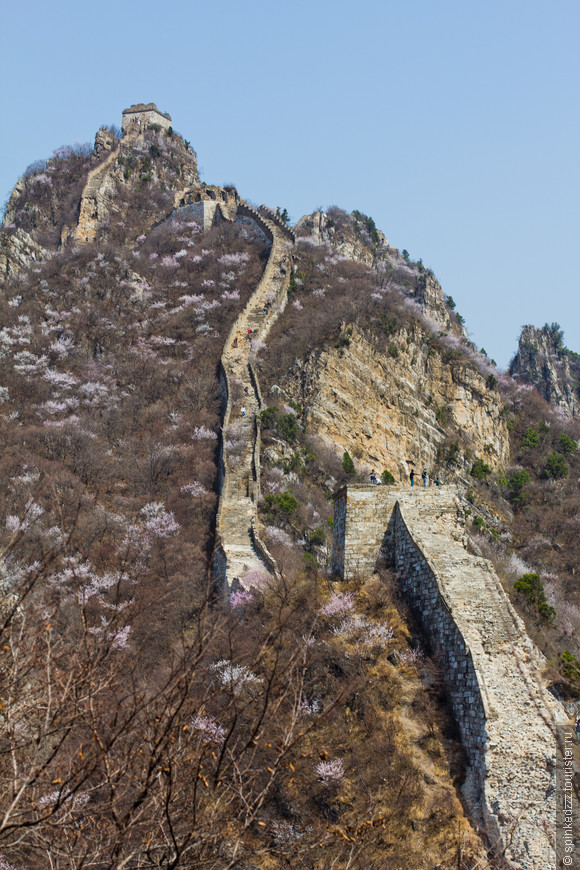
<point>375,480</point>
<point>424,478</point>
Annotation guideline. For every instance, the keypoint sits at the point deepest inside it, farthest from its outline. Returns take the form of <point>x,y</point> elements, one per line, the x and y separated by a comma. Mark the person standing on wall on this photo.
<point>412,477</point>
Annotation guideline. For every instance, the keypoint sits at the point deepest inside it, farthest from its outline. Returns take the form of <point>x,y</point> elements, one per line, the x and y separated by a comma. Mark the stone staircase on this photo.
<point>91,200</point>
<point>239,548</point>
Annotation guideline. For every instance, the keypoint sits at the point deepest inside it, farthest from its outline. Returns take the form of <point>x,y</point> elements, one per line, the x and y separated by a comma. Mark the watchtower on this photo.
<point>142,115</point>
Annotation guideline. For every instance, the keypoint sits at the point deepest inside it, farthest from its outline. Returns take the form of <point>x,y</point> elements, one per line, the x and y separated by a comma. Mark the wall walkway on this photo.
<point>239,548</point>
<point>507,719</point>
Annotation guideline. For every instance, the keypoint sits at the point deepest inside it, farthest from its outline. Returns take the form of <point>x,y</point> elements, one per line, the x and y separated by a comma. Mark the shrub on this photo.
<point>288,427</point>
<point>516,485</point>
<point>317,537</point>
<point>452,455</point>
<point>443,415</point>
<point>393,351</point>
<point>480,469</point>
<point>491,381</point>
<point>555,467</point>
<point>268,417</point>
<point>387,477</point>
<point>570,666</point>
<point>479,523</point>
<point>532,588</point>
<point>530,439</point>
<point>347,463</point>
<point>518,480</point>
<point>389,324</point>
<point>284,504</point>
<point>450,301</point>
<point>567,444</point>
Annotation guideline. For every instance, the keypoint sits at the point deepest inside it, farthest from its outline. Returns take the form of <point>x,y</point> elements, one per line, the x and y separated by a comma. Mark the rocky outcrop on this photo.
<point>507,719</point>
<point>396,410</point>
<point>542,360</point>
<point>351,238</point>
<point>343,239</point>
<point>18,250</point>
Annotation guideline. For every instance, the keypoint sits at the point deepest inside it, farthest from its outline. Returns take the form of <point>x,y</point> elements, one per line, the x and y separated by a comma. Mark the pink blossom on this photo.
<point>330,771</point>
<point>169,261</point>
<point>338,604</point>
<point>63,380</point>
<point>240,597</point>
<point>210,730</point>
<point>255,578</point>
<point>195,489</point>
<point>279,536</point>
<point>12,524</point>
<point>202,432</point>
<point>191,300</point>
<point>234,259</point>
<point>412,657</point>
<point>160,523</point>
<point>234,677</point>
<point>121,639</point>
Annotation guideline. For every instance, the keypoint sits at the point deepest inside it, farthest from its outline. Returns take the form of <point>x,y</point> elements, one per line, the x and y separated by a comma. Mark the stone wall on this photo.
<point>144,115</point>
<point>422,591</point>
<point>361,524</point>
<point>493,672</point>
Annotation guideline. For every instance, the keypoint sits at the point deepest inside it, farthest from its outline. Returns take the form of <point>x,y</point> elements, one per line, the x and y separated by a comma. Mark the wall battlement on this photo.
<point>507,719</point>
<point>143,115</point>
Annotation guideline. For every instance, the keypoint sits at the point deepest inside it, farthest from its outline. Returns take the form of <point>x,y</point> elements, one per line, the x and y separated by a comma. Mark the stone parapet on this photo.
<point>507,720</point>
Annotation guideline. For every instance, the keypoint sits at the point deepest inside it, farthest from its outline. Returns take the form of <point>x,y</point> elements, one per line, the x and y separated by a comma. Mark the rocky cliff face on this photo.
<point>542,360</point>
<point>18,250</point>
<point>399,410</point>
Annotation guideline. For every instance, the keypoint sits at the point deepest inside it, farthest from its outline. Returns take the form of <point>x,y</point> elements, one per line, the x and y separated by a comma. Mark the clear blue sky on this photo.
<point>454,124</point>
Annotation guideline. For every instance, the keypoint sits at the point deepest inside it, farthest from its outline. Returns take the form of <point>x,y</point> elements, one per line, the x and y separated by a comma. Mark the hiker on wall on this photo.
<point>412,477</point>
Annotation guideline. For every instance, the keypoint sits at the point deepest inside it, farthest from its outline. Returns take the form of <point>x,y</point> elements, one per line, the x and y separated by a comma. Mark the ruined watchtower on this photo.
<point>142,115</point>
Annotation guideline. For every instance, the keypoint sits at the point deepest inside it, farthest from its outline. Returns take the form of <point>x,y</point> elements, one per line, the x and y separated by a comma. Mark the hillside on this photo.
<point>184,683</point>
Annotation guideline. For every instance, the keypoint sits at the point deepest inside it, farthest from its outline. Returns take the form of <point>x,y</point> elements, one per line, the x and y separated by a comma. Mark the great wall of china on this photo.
<point>507,719</point>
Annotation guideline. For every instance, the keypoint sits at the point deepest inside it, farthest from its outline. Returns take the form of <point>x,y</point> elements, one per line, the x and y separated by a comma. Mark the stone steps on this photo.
<point>237,512</point>
<point>86,228</point>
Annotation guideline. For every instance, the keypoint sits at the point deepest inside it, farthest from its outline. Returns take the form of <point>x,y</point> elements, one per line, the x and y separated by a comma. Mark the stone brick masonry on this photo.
<point>506,718</point>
